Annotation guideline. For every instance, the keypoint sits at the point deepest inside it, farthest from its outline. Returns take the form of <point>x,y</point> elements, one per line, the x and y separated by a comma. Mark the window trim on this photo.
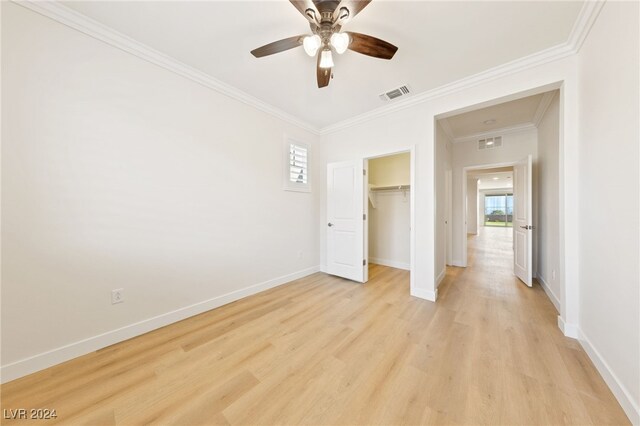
<point>288,185</point>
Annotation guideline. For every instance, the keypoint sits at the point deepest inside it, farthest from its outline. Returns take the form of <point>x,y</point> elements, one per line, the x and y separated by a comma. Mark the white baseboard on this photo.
<point>621,393</point>
<point>390,263</point>
<point>457,263</point>
<point>50,358</point>
<point>441,276</point>
<point>550,294</point>
<point>431,296</point>
<point>569,330</point>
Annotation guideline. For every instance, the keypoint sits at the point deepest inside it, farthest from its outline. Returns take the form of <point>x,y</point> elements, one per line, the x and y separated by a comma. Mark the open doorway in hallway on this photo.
<point>504,166</point>
<point>489,215</point>
<point>489,211</point>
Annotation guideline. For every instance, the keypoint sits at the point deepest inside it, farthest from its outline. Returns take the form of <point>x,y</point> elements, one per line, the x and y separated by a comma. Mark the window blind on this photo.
<point>298,164</point>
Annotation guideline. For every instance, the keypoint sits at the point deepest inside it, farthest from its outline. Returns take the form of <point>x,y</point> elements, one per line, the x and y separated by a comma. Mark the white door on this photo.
<point>522,221</point>
<point>346,220</point>
<point>447,222</point>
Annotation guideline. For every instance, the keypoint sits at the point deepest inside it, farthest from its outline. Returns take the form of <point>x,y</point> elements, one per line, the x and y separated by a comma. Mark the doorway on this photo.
<point>389,213</point>
<point>350,199</point>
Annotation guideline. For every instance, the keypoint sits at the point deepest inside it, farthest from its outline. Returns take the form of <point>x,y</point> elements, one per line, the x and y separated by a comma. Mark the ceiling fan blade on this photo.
<point>353,6</point>
<point>308,10</point>
<point>371,46</point>
<point>278,46</point>
<point>323,74</point>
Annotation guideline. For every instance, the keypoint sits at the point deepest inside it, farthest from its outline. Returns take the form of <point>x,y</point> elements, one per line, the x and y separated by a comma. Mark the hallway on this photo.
<point>518,367</point>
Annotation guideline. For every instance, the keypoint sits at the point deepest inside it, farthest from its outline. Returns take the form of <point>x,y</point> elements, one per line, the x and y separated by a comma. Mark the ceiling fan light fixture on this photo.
<point>340,42</point>
<point>311,44</point>
<point>326,59</point>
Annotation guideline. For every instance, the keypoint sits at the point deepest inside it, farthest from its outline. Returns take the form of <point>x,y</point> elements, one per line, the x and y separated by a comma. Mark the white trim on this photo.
<point>544,104</point>
<point>552,296</point>
<point>621,393</point>
<point>390,263</point>
<point>569,330</point>
<point>86,25</point>
<point>520,128</point>
<point>64,353</point>
<point>545,56</point>
<point>457,263</point>
<point>441,276</point>
<point>586,18</point>
<point>69,17</point>
<point>421,293</point>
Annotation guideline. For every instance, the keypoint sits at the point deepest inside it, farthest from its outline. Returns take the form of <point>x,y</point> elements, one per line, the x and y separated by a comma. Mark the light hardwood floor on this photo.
<point>326,351</point>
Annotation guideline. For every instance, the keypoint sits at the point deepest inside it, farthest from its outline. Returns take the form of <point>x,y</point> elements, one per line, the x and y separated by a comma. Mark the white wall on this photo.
<point>547,230</point>
<point>412,124</point>
<point>443,166</point>
<point>389,240</point>
<point>515,147</point>
<point>390,170</point>
<point>609,199</point>
<point>389,221</point>
<point>472,205</point>
<point>119,174</point>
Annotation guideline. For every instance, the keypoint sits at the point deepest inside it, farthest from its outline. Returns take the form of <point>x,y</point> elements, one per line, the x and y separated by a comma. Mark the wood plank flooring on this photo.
<point>326,351</point>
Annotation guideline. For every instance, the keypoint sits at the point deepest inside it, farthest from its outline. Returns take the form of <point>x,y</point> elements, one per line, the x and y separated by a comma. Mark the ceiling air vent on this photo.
<point>490,143</point>
<point>395,93</point>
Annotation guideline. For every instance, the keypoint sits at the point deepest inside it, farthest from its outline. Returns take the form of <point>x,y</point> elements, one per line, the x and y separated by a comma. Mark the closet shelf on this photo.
<point>373,189</point>
<point>390,188</point>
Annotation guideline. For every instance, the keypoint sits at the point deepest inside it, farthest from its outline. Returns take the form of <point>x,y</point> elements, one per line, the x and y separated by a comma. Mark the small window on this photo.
<point>297,166</point>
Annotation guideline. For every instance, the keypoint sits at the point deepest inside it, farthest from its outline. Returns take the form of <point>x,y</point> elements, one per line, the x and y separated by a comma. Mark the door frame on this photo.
<point>411,149</point>
<point>463,225</point>
<point>568,178</point>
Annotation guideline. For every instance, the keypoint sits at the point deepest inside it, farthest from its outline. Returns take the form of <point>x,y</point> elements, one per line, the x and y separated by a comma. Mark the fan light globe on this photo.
<point>340,42</point>
<point>326,59</point>
<point>311,44</point>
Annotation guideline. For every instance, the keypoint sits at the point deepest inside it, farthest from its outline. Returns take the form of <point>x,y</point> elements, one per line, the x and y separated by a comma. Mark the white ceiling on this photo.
<point>509,114</point>
<point>439,42</point>
<point>502,180</point>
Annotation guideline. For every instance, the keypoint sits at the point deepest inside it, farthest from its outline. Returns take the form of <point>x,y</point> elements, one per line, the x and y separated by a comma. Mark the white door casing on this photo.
<point>448,218</point>
<point>522,221</point>
<point>345,220</point>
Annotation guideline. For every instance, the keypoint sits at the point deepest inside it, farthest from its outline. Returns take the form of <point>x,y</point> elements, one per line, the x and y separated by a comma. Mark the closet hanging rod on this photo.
<point>391,188</point>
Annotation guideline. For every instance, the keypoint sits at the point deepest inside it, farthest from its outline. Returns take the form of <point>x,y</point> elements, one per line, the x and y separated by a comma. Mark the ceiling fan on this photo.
<point>326,19</point>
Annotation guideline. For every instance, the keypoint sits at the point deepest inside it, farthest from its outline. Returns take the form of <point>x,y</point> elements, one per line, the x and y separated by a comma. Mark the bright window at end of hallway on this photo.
<point>296,175</point>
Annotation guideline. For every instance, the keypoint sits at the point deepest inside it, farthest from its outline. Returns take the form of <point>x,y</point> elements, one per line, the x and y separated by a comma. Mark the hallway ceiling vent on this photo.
<point>395,93</point>
<point>490,143</point>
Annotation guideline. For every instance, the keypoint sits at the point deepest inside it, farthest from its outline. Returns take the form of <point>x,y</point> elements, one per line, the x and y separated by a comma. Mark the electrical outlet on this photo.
<point>117,296</point>
<point>553,274</point>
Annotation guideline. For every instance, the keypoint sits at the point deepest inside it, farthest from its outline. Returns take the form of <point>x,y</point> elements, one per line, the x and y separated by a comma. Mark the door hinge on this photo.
<point>364,172</point>
<point>364,216</point>
<point>364,262</point>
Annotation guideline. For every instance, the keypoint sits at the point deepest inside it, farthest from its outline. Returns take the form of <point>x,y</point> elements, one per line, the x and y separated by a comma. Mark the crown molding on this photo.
<point>69,17</point>
<point>585,20</point>
<point>520,128</point>
<point>545,101</point>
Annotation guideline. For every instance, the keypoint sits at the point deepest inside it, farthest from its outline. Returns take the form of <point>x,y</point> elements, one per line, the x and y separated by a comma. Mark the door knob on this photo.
<point>329,224</point>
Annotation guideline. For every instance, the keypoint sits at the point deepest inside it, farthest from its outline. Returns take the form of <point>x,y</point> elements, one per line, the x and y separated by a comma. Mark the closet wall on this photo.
<point>389,211</point>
